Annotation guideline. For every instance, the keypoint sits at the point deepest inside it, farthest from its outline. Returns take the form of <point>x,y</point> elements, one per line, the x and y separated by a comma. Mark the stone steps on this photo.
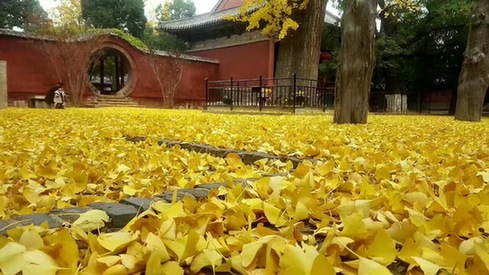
<point>102,101</point>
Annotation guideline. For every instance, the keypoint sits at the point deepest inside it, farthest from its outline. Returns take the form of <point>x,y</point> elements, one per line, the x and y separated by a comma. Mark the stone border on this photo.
<point>120,214</point>
<point>124,211</point>
<point>247,158</point>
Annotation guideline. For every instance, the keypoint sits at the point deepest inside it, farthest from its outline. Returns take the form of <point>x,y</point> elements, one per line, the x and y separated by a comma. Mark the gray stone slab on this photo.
<point>202,149</point>
<point>295,161</point>
<point>68,214</point>
<point>135,139</point>
<point>37,219</point>
<point>198,193</point>
<point>222,153</point>
<point>168,143</point>
<point>210,186</point>
<point>141,204</point>
<point>120,214</point>
<point>275,175</point>
<point>244,182</point>
<point>168,196</point>
<point>251,157</point>
<point>5,226</point>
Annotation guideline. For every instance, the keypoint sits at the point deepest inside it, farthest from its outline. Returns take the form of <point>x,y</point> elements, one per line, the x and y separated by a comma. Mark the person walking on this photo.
<point>59,97</point>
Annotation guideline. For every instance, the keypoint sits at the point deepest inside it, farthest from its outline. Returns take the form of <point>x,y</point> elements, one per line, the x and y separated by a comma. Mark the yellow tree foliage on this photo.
<point>67,13</point>
<point>274,17</point>
<point>395,7</point>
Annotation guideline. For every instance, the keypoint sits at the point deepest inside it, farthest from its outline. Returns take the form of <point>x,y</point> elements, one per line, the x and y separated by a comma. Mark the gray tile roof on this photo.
<point>198,21</point>
<point>215,18</point>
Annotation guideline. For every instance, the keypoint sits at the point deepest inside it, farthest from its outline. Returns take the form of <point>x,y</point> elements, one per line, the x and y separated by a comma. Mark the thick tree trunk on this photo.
<point>474,77</point>
<point>357,62</point>
<point>299,51</point>
<point>3,85</point>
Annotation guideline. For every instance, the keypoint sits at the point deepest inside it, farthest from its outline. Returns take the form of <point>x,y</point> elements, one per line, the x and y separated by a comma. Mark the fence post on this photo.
<point>231,93</point>
<point>323,94</point>
<point>206,94</point>
<point>295,93</point>
<point>260,93</point>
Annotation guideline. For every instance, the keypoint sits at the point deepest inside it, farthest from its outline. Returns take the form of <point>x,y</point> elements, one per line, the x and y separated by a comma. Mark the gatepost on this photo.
<point>3,85</point>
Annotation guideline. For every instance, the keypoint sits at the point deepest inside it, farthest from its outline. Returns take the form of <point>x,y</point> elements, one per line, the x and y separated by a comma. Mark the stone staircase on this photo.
<point>101,101</point>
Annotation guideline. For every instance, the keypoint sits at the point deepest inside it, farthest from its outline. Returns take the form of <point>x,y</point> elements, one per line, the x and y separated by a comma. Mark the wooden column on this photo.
<point>117,73</point>
<point>102,75</point>
<point>3,85</point>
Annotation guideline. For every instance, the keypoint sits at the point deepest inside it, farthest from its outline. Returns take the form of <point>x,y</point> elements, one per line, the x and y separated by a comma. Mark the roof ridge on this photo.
<point>216,5</point>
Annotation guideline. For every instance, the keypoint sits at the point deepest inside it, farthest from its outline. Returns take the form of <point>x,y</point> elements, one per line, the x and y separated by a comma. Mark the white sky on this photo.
<point>202,6</point>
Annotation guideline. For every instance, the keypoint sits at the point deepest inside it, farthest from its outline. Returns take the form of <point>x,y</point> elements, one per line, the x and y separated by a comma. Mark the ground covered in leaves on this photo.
<point>402,194</point>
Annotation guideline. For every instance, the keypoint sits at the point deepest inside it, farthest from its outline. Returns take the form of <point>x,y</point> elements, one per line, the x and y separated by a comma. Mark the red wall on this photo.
<point>229,4</point>
<point>30,73</point>
<point>244,61</point>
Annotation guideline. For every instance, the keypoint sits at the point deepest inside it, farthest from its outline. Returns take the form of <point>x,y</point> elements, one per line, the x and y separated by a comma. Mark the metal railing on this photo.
<point>270,93</point>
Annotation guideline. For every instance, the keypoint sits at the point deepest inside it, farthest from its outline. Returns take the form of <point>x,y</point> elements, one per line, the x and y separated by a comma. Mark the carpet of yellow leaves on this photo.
<point>402,194</point>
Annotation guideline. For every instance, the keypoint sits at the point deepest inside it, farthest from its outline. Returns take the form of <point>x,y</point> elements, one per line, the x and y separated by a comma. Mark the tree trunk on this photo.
<point>299,51</point>
<point>357,62</point>
<point>474,77</point>
<point>3,85</point>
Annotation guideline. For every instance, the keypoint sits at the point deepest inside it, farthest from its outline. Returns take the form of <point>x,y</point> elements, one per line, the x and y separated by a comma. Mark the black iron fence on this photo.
<point>276,93</point>
<point>291,94</point>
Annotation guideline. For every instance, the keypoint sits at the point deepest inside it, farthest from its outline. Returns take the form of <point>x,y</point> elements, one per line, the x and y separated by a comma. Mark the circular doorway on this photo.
<point>111,72</point>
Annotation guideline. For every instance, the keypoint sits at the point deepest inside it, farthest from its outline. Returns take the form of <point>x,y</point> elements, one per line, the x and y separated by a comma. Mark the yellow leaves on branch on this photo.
<point>396,7</point>
<point>275,18</point>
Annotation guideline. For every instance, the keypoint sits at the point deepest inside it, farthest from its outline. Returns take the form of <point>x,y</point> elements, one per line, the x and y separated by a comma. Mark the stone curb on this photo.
<point>120,213</point>
<point>247,158</point>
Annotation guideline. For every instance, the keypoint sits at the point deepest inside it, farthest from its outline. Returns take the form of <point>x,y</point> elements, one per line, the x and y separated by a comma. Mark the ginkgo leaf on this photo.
<point>274,215</point>
<point>187,246</point>
<point>206,258</point>
<point>171,268</point>
<point>428,268</point>
<point>31,240</point>
<point>482,254</point>
<point>12,258</point>
<point>116,241</point>
<point>304,261</point>
<point>156,246</point>
<point>38,262</point>
<point>383,248</point>
<point>109,260</point>
<point>370,267</point>
<point>249,252</point>
<point>91,220</point>
<point>117,269</point>
<point>353,225</point>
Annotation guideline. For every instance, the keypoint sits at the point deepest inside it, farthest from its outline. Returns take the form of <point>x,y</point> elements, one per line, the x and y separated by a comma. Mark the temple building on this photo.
<point>241,54</point>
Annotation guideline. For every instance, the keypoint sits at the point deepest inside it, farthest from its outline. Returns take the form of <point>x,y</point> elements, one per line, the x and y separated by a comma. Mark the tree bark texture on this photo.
<point>3,85</point>
<point>357,62</point>
<point>299,51</point>
<point>474,77</point>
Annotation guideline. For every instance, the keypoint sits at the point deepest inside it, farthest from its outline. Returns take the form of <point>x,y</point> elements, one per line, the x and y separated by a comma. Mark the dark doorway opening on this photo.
<point>111,72</point>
